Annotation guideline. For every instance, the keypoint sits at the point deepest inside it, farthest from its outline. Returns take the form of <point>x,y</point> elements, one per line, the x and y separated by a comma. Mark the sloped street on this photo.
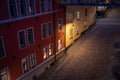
<point>92,56</point>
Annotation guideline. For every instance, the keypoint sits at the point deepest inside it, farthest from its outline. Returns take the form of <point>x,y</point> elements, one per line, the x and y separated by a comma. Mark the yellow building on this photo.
<point>78,19</point>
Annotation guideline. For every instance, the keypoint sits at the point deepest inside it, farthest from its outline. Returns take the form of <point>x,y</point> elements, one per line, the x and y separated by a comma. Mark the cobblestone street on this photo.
<point>91,56</point>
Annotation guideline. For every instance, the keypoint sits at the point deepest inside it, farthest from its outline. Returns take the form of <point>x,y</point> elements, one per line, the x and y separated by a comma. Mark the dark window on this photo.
<point>86,11</point>
<point>49,28</point>
<point>22,41</point>
<point>31,7</point>
<point>30,36</point>
<point>33,60</point>
<point>23,7</point>
<point>59,24</point>
<point>44,33</point>
<point>2,52</point>
<point>12,8</point>
<point>49,5</point>
<point>42,5</point>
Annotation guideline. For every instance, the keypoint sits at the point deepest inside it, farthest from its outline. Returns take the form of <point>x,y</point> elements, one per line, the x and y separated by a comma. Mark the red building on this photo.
<point>31,35</point>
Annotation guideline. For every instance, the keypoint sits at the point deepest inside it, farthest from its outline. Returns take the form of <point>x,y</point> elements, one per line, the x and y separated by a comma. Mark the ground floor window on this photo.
<point>71,33</point>
<point>25,64</point>
<point>4,74</point>
<point>59,44</point>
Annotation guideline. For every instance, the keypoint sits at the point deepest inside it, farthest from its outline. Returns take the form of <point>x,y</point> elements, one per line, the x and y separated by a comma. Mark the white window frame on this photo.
<point>48,29</point>
<point>3,47</point>
<point>78,15</point>
<point>42,30</point>
<point>33,65</point>
<point>19,39</point>
<point>9,9</point>
<point>34,7</point>
<point>27,64</point>
<point>7,72</point>
<point>44,6</point>
<point>33,36</point>
<point>25,9</point>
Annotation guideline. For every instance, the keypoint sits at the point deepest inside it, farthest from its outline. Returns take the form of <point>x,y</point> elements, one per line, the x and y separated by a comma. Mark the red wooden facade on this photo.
<point>11,30</point>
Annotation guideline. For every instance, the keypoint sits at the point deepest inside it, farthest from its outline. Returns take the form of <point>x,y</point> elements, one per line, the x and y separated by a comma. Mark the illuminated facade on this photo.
<point>78,19</point>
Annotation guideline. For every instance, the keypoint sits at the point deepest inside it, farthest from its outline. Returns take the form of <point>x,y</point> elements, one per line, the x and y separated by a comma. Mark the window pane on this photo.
<point>42,5</point>
<point>45,53</point>
<point>44,35</point>
<point>22,39</point>
<point>30,36</point>
<point>49,29</point>
<point>33,60</point>
<point>2,53</point>
<point>31,6</point>
<point>25,65</point>
<point>23,8</point>
<point>12,8</point>
<point>50,50</point>
<point>59,44</point>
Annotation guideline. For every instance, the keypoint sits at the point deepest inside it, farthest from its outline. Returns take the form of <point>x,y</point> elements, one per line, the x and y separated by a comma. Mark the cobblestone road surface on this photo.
<point>91,56</point>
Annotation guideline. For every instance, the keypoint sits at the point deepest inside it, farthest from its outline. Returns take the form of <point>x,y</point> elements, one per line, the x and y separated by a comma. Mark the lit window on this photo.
<point>4,75</point>
<point>60,24</point>
<point>44,31</point>
<point>59,44</point>
<point>22,39</point>
<point>12,8</point>
<point>45,55</point>
<point>2,49</point>
<point>42,5</point>
<point>78,15</point>
<point>25,65</point>
<point>49,28</point>
<point>23,9</point>
<point>32,7</point>
<point>33,60</point>
<point>30,33</point>
<point>71,33</point>
<point>50,50</point>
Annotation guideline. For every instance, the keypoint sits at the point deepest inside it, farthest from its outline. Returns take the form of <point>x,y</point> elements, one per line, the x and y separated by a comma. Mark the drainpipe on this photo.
<point>54,29</point>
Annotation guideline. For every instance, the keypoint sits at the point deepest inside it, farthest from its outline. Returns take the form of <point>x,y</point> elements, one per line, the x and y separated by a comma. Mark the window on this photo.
<point>78,15</point>
<point>71,33</point>
<point>22,39</point>
<point>2,49</point>
<point>60,24</point>
<point>59,44</point>
<point>49,28</point>
<point>30,34</point>
<point>77,30</point>
<point>50,49</point>
<point>25,65</point>
<point>45,55</point>
<point>49,5</point>
<point>23,9</point>
<point>71,17</point>
<point>44,31</point>
<point>33,60</point>
<point>4,75</point>
<point>32,7</point>
<point>42,5</point>
<point>86,12</point>
<point>12,8</point>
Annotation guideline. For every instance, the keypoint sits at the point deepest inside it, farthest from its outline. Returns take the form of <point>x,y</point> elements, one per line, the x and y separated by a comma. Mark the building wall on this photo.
<point>86,19</point>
